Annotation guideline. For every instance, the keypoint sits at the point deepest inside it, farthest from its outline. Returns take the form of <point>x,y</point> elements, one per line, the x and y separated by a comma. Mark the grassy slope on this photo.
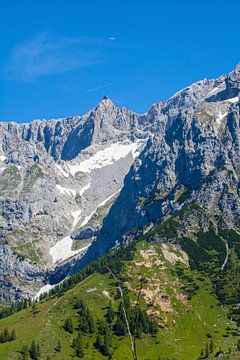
<point>184,332</point>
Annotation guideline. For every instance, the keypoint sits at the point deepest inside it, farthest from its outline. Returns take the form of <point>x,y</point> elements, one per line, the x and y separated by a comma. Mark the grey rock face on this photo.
<point>74,181</point>
<point>192,156</point>
<point>13,270</point>
<point>56,177</point>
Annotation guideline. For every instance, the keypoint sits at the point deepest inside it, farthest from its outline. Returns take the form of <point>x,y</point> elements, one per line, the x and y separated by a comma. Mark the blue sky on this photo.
<point>60,57</point>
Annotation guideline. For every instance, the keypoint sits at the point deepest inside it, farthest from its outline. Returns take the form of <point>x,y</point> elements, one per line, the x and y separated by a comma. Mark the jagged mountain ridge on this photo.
<point>193,156</point>
<point>194,142</point>
<point>54,176</point>
<point>64,138</point>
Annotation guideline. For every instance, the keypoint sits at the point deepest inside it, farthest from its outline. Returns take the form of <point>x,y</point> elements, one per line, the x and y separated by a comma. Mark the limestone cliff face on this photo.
<point>74,180</point>
<point>56,177</point>
<point>192,155</point>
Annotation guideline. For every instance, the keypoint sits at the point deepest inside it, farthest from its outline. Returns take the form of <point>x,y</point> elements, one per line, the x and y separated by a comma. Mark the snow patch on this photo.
<point>233,100</point>
<point>216,90</point>
<point>86,187</point>
<point>62,250</point>
<point>220,116</point>
<point>66,191</point>
<point>44,289</point>
<point>105,157</point>
<point>2,157</point>
<point>76,216</point>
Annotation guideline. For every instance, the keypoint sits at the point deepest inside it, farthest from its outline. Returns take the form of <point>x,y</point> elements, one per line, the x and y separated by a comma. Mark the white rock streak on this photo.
<point>66,191</point>
<point>61,171</point>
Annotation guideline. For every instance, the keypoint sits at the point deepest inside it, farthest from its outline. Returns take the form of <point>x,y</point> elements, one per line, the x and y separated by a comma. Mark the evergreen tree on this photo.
<point>78,346</point>
<point>106,347</point>
<point>98,343</point>
<point>58,346</point>
<point>86,322</point>
<point>24,352</point>
<point>91,325</point>
<point>34,351</point>
<point>211,346</point>
<point>13,335</point>
<point>68,325</point>
<point>110,315</point>
<point>120,328</point>
<point>102,327</point>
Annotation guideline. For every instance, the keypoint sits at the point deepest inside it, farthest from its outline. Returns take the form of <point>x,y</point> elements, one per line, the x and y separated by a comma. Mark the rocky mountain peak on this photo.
<point>105,104</point>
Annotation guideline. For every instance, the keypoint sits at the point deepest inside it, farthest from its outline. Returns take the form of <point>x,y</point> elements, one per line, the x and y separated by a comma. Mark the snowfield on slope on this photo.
<point>44,289</point>
<point>62,250</point>
<point>105,157</point>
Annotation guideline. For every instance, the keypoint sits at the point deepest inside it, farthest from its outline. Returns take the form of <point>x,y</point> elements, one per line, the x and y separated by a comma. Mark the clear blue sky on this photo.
<point>60,57</point>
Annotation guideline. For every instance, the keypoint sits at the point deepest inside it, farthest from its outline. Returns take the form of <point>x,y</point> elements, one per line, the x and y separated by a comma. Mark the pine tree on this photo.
<point>120,328</point>
<point>58,346</point>
<point>34,351</point>
<point>13,335</point>
<point>110,315</point>
<point>211,346</point>
<point>78,346</point>
<point>25,352</point>
<point>102,327</point>
<point>98,343</point>
<point>106,347</point>
<point>68,325</point>
<point>5,335</point>
<point>91,325</point>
